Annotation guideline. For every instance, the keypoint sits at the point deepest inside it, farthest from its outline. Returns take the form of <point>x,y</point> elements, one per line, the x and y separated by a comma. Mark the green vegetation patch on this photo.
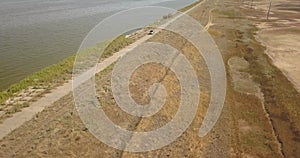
<point>62,71</point>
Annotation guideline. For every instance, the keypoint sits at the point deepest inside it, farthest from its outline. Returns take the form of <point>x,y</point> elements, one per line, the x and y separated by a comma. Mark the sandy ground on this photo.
<point>257,120</point>
<point>284,50</point>
<point>281,36</point>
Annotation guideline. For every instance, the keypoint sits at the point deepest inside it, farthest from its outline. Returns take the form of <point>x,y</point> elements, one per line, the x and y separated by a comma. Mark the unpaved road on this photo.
<point>28,113</point>
<point>243,130</point>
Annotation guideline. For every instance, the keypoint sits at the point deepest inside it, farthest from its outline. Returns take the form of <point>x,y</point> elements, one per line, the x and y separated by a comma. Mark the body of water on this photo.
<point>37,33</point>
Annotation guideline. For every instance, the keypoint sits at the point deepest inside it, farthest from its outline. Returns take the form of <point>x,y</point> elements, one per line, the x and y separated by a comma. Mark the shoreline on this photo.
<point>8,85</point>
<point>33,38</point>
<point>42,82</point>
<point>27,109</point>
<point>14,88</point>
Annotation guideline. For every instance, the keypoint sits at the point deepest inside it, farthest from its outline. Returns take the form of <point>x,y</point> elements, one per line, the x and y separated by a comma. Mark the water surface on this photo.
<point>37,33</point>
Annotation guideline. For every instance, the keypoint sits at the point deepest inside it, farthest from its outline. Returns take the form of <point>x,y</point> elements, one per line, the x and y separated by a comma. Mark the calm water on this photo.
<point>37,33</point>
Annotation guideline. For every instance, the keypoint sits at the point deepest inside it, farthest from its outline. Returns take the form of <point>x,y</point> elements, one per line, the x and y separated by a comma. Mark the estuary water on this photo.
<point>37,33</point>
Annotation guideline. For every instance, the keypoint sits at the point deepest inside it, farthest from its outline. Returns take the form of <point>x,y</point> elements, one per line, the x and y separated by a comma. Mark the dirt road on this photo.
<point>28,113</point>
<point>259,118</point>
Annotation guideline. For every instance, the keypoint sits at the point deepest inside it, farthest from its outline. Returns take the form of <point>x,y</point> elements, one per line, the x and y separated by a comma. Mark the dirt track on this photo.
<point>244,129</point>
